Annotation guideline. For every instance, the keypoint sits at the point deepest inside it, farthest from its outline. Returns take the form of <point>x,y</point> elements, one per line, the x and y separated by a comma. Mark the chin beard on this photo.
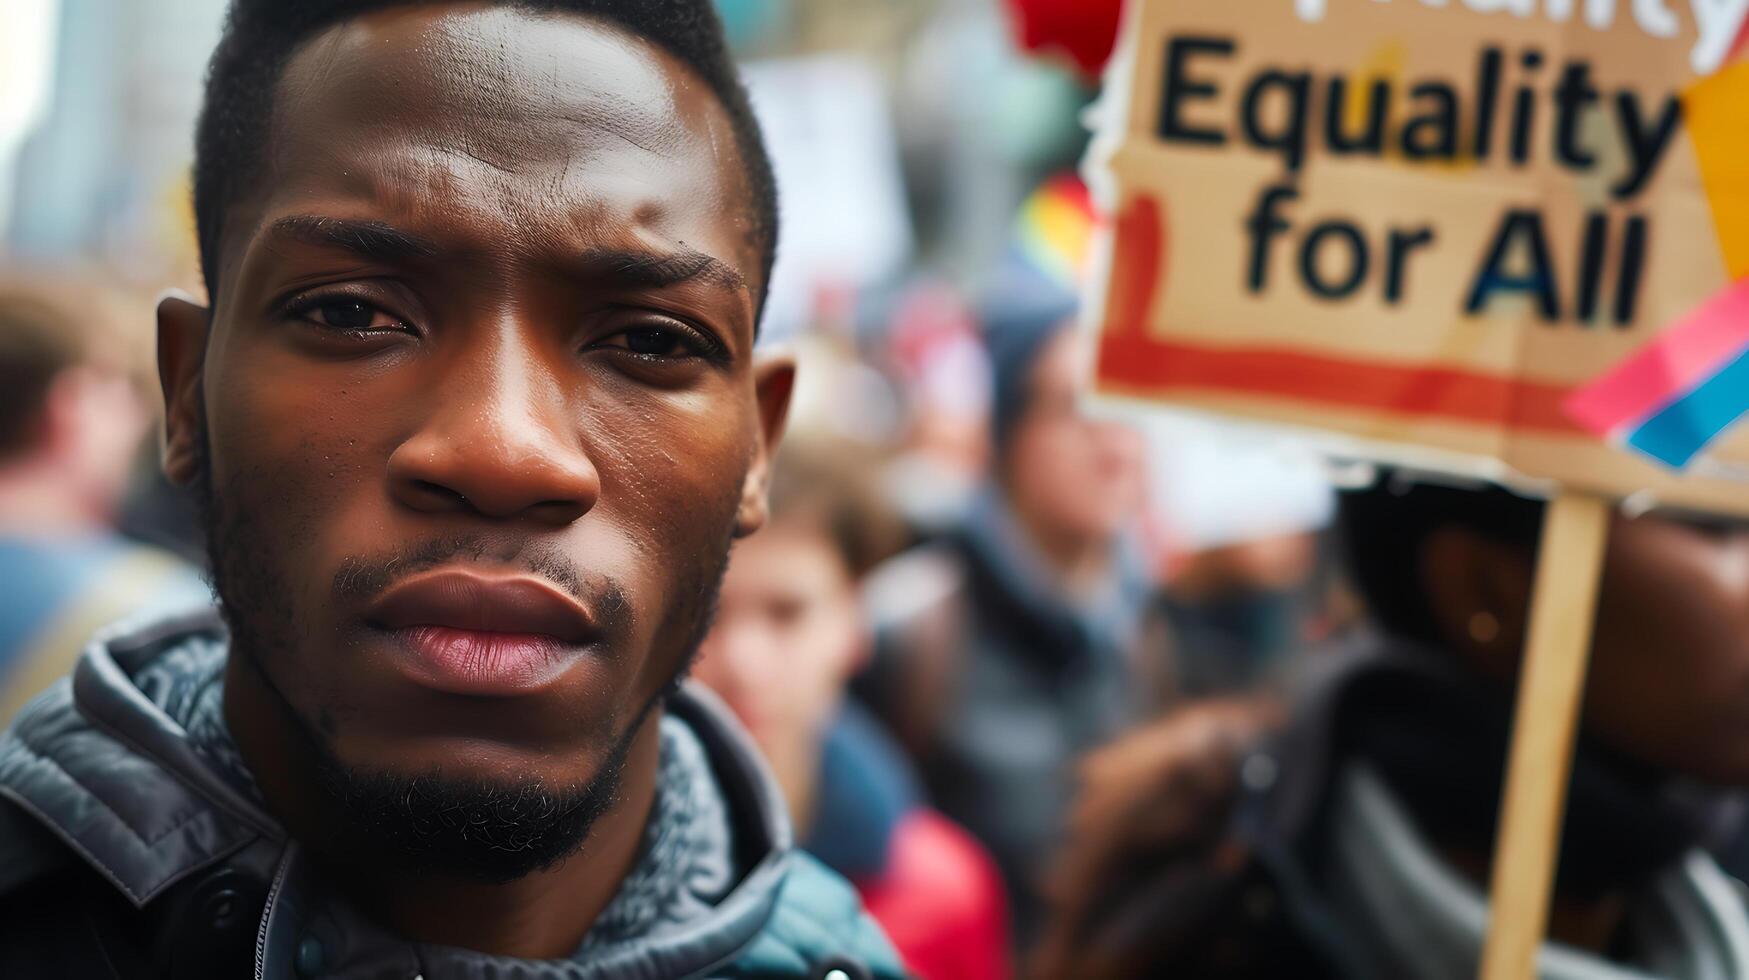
<point>476,829</point>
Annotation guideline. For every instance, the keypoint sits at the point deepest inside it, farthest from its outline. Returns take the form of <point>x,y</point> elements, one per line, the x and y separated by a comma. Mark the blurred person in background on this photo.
<point>1237,533</point>
<point>1354,839</point>
<point>788,633</point>
<point>1015,644</point>
<point>73,417</point>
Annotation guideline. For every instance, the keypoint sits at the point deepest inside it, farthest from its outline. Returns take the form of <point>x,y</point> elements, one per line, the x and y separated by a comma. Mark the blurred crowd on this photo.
<point>1065,692</point>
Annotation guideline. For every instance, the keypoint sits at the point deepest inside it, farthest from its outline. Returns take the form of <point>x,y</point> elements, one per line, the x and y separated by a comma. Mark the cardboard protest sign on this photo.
<point>1502,237</point>
<point>1492,236</point>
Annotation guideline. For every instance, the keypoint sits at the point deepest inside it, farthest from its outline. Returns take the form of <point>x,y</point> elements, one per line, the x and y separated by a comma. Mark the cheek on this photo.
<point>671,471</point>
<point>287,457</point>
<point>1044,463</point>
<point>1093,482</point>
<point>825,644</point>
<point>671,474</point>
<point>1670,672</point>
<point>803,675</point>
<point>1672,612</point>
<point>1128,457</point>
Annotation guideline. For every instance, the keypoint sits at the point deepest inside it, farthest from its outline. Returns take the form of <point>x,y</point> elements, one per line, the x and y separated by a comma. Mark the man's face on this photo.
<point>1668,679</point>
<point>1076,477</point>
<point>481,413</point>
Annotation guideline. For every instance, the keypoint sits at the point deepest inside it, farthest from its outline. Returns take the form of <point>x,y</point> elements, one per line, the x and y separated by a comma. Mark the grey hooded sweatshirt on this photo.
<point>130,847</point>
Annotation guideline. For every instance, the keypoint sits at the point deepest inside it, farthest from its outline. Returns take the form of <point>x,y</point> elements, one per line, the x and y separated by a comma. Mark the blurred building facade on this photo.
<point>103,177</point>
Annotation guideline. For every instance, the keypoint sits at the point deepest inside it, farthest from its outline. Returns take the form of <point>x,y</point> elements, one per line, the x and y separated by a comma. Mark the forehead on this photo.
<point>507,130</point>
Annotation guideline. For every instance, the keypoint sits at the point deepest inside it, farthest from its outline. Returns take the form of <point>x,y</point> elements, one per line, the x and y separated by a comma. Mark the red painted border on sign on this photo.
<point>1130,358</point>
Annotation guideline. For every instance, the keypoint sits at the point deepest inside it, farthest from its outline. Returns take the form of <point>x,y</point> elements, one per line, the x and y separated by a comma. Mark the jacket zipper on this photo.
<point>279,876</point>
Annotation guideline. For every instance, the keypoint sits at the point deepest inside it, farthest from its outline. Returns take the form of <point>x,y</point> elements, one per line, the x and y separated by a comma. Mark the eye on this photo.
<point>663,341</point>
<point>655,341</point>
<point>788,610</point>
<point>1719,530</point>
<point>346,313</point>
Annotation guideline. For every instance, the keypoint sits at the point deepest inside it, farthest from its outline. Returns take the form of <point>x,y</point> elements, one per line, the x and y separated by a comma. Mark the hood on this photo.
<point>103,765</point>
<point>1437,737</point>
<point>105,768</point>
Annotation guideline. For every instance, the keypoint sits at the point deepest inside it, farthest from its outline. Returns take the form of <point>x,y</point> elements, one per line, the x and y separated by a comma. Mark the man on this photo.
<point>1355,840</point>
<point>1017,644</point>
<point>474,416</point>
<point>73,414</point>
<point>788,634</point>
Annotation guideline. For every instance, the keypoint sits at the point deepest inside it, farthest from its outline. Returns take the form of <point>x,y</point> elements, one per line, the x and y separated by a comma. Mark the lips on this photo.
<point>472,634</point>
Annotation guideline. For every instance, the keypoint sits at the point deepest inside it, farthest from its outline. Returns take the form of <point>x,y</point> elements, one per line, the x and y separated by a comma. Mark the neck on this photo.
<point>795,761</point>
<point>36,503</point>
<point>542,915</point>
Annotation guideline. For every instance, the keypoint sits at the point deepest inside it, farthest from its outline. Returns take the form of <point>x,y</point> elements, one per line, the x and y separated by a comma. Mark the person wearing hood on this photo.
<point>472,417</point>
<point>1349,832</point>
<point>1017,642</point>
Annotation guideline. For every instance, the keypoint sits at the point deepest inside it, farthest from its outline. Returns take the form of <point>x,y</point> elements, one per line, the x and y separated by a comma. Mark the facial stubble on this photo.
<point>430,821</point>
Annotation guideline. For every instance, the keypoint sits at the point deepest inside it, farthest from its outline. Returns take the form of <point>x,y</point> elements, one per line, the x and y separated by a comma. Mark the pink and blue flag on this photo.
<point>1679,392</point>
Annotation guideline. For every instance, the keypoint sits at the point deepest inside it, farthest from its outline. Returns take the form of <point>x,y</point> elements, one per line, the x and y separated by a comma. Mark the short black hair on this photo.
<point>1385,526</point>
<point>260,36</point>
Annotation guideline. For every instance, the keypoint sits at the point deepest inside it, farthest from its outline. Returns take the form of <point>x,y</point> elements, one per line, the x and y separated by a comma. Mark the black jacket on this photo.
<point>1239,888</point>
<point>124,854</point>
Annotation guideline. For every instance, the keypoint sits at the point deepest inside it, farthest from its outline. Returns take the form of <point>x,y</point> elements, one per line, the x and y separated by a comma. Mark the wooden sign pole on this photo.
<point>1551,683</point>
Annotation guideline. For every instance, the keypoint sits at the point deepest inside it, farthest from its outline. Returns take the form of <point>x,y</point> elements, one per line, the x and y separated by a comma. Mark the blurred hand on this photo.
<point>1157,798</point>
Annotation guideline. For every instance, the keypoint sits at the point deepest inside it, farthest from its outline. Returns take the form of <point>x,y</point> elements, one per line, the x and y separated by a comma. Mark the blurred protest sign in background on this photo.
<point>1502,240</point>
<point>1473,241</point>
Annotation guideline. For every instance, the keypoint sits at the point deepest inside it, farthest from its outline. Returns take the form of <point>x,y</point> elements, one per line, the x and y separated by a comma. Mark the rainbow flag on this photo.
<point>1054,230</point>
<point>1679,392</point>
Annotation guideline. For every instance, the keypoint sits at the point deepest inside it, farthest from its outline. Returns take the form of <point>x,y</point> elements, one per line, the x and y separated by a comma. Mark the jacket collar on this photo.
<point>109,772</point>
<point>299,911</point>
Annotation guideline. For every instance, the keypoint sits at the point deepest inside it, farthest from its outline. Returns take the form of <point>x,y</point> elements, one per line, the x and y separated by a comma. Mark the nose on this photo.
<point>1117,441</point>
<point>502,441</point>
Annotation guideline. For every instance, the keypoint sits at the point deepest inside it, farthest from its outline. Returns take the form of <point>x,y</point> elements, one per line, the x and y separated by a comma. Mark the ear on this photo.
<point>1470,579</point>
<point>182,336</point>
<point>774,380</point>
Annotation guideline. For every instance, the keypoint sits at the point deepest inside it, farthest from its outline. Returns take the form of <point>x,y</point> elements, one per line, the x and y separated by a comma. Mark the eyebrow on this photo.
<point>652,270</point>
<point>626,267</point>
<point>369,239</point>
